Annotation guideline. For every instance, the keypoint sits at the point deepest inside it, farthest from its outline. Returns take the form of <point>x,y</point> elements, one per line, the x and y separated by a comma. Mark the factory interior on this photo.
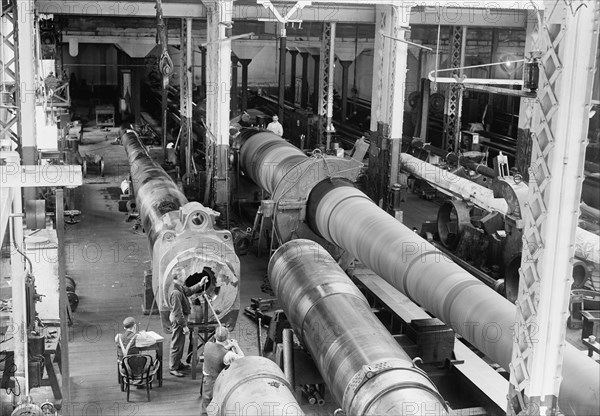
<point>297,207</point>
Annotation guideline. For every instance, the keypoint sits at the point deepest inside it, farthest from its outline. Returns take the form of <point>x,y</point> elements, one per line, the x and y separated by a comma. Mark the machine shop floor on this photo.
<point>106,257</point>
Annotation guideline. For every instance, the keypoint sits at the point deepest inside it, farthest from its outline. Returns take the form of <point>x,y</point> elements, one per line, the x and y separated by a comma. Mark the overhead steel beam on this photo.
<point>120,8</point>
<point>468,13</point>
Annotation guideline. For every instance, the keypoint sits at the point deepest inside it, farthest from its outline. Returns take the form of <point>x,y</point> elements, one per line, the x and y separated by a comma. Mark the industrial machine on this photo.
<point>314,198</point>
<point>182,234</point>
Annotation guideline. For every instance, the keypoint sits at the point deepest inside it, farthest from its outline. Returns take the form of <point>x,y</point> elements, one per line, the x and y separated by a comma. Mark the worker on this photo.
<point>180,310</point>
<point>126,340</point>
<point>275,126</point>
<point>218,355</point>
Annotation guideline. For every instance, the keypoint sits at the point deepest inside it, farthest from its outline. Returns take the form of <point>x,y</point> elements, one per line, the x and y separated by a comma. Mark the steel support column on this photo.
<point>282,62</point>
<point>389,78</point>
<point>345,70</point>
<point>294,54</point>
<point>304,94</point>
<point>234,85</point>
<point>218,71</point>
<point>453,97</point>
<point>244,63</point>
<point>397,83</point>
<point>315,97</point>
<point>325,92</point>
<point>136,76</point>
<point>203,71</point>
<point>27,83</point>
<point>186,64</point>
<point>10,111</point>
<point>569,41</point>
<point>527,105</point>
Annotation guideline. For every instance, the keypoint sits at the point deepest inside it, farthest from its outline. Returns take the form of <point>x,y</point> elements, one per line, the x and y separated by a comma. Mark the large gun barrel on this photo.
<point>343,215</point>
<point>253,386</point>
<point>181,234</point>
<point>365,369</point>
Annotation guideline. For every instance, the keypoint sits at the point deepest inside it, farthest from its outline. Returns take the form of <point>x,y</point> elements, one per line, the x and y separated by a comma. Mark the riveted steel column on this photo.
<point>27,84</point>
<point>234,85</point>
<point>397,85</point>
<point>186,64</point>
<point>325,87</point>
<point>244,63</point>
<point>345,68</point>
<point>219,17</point>
<point>10,111</point>
<point>294,54</point>
<point>282,62</point>
<point>304,95</point>
<point>453,100</point>
<point>315,98</point>
<point>569,41</point>
<point>527,105</point>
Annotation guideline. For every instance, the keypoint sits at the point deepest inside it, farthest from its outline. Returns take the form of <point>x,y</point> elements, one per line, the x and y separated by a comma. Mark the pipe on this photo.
<point>348,218</point>
<point>181,234</point>
<point>363,365</point>
<point>253,385</point>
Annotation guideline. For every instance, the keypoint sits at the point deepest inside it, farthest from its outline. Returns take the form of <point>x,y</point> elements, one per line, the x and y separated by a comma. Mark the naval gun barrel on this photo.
<point>364,367</point>
<point>182,236</point>
<point>341,214</point>
<point>253,386</point>
<point>156,193</point>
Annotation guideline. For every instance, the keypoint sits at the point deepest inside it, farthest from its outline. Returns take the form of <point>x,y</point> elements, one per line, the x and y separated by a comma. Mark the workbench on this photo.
<point>52,354</point>
<point>105,116</point>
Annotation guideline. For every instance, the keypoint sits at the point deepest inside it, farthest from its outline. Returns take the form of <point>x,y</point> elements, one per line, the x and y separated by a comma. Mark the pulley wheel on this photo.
<point>35,217</point>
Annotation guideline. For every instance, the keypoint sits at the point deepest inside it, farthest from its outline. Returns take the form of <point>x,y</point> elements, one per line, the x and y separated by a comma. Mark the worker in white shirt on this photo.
<point>275,126</point>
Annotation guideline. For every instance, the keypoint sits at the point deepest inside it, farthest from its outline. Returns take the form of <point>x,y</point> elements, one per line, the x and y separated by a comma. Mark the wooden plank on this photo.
<point>406,309</point>
<point>488,381</point>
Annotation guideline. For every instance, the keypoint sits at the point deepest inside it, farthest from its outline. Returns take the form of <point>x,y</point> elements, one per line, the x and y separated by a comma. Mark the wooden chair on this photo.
<point>138,370</point>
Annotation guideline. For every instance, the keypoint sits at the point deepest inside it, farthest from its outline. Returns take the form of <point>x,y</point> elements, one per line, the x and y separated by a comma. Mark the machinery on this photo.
<point>182,234</point>
<point>328,208</point>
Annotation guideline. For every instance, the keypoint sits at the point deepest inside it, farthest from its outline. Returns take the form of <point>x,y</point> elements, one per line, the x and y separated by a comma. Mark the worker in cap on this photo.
<point>180,310</point>
<point>217,356</point>
<point>275,126</point>
<point>126,340</point>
